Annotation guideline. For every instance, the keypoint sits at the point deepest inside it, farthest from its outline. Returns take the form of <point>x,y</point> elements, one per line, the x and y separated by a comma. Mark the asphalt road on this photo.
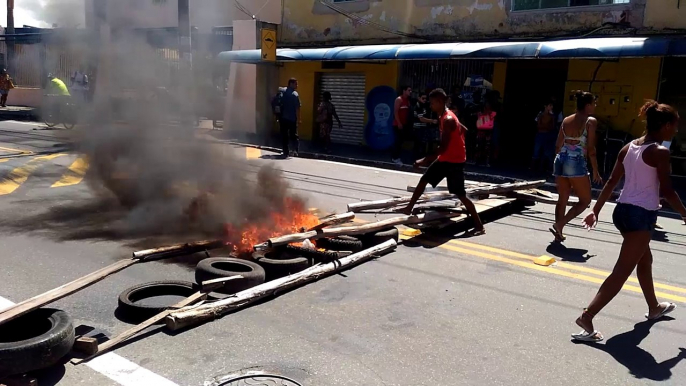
<point>441,310</point>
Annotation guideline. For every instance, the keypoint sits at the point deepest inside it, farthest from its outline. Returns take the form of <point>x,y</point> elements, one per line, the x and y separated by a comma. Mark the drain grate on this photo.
<point>260,380</point>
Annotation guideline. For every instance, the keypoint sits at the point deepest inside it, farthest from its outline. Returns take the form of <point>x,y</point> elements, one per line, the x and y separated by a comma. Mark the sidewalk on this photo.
<point>18,113</point>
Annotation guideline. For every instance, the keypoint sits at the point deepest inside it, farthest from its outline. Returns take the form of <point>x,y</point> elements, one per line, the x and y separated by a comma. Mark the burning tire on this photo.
<point>133,310</point>
<point>279,263</point>
<point>218,267</point>
<point>35,341</point>
<point>375,238</point>
<point>341,244</point>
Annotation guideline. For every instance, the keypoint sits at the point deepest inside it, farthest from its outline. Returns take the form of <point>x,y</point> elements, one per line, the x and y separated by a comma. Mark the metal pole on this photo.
<point>10,31</point>
<point>186,60</point>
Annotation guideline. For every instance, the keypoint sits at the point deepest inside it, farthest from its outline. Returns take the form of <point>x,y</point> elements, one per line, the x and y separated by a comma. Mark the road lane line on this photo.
<point>77,170</point>
<point>531,265</point>
<point>19,175</point>
<point>561,264</point>
<point>117,368</point>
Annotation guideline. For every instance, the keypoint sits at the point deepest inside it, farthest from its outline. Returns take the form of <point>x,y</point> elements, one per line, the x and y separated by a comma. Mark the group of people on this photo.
<point>286,107</point>
<point>54,86</point>
<point>644,164</point>
<point>415,120</point>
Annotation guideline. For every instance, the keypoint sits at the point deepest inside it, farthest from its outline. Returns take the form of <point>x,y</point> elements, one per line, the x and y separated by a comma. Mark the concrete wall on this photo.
<point>661,14</point>
<point>629,82</point>
<point>307,22</point>
<point>377,75</point>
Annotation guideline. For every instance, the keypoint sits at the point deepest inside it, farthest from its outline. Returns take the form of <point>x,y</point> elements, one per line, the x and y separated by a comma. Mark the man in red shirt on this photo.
<point>449,162</point>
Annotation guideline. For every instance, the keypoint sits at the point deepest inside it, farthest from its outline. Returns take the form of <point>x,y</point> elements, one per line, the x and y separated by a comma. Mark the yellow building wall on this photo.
<point>621,86</point>
<point>308,22</point>
<point>660,14</point>
<point>382,74</point>
<point>499,75</point>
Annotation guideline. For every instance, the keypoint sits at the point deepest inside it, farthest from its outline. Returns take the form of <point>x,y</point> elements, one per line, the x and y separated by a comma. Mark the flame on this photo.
<point>291,219</point>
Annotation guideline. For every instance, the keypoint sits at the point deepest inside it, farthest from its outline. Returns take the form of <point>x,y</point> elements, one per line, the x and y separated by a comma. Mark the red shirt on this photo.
<point>403,113</point>
<point>456,152</point>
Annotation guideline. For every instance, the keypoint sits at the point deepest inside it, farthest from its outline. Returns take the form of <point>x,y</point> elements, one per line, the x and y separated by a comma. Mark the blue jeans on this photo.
<point>631,218</point>
<point>570,165</point>
<point>544,146</point>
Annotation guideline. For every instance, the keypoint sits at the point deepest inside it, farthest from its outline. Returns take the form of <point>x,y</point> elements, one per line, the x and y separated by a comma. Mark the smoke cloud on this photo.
<point>63,13</point>
<point>150,174</point>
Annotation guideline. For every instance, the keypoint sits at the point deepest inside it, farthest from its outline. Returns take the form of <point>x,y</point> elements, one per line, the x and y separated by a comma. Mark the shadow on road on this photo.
<point>640,363</point>
<point>576,255</point>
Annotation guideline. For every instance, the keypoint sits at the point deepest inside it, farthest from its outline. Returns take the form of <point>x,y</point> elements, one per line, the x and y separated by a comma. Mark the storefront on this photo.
<point>672,90</point>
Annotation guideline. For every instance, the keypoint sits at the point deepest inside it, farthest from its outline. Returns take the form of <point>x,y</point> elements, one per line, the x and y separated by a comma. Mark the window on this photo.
<point>525,5</point>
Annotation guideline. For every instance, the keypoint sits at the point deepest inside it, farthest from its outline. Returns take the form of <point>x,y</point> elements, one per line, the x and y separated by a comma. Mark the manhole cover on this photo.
<point>260,380</point>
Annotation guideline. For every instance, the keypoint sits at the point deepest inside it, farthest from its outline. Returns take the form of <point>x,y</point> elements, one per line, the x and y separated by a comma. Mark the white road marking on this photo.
<point>117,368</point>
<point>40,124</point>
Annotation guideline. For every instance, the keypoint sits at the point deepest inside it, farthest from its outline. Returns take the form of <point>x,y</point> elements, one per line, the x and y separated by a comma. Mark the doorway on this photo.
<point>529,84</point>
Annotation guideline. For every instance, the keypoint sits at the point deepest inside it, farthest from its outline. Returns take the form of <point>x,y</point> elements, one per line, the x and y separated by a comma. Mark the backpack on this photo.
<point>277,103</point>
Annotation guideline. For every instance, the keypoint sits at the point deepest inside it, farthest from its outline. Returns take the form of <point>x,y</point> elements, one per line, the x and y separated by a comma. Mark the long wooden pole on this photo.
<point>53,295</point>
<point>440,196</point>
<point>191,316</point>
<point>333,220</point>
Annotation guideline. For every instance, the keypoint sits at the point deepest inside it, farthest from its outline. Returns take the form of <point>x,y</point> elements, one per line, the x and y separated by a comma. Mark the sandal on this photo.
<point>669,307</point>
<point>476,232</point>
<point>585,336</point>
<point>559,237</point>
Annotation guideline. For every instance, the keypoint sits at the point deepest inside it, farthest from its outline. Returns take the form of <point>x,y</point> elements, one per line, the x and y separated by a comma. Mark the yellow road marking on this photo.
<point>4,159</point>
<point>560,264</point>
<point>252,153</point>
<point>75,175</point>
<point>20,151</point>
<point>531,265</point>
<point>19,175</point>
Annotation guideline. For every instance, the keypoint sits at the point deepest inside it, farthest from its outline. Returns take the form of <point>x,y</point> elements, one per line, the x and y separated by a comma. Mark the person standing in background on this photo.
<point>290,118</point>
<point>79,85</point>
<point>545,137</point>
<point>326,112</point>
<point>425,126</point>
<point>5,86</point>
<point>484,125</point>
<point>401,114</point>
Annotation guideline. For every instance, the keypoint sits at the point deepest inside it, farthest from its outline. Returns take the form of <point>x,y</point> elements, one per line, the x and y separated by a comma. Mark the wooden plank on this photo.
<point>179,249</point>
<point>86,345</point>
<point>355,229</point>
<point>440,196</point>
<point>110,344</point>
<point>190,316</point>
<point>60,292</point>
<point>482,206</point>
<point>544,199</point>
<point>333,220</point>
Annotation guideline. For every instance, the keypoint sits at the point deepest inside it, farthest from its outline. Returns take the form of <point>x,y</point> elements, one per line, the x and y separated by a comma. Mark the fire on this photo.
<point>292,219</point>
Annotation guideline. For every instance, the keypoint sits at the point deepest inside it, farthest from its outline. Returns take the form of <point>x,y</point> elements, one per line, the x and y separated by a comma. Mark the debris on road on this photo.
<point>187,317</point>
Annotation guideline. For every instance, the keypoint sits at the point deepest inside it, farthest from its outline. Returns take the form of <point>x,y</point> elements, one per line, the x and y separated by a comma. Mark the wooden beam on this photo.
<point>440,196</point>
<point>356,229</point>
<point>191,316</point>
<point>53,295</point>
<point>333,220</point>
<point>177,250</point>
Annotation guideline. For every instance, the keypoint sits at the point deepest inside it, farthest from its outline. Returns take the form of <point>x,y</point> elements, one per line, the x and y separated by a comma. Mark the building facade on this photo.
<point>621,84</point>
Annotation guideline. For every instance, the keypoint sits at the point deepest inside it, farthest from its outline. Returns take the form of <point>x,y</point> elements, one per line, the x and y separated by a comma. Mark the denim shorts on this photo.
<point>631,218</point>
<point>570,165</point>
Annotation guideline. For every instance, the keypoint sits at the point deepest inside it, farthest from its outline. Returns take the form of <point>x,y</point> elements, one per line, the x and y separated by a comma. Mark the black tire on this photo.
<point>218,267</point>
<point>375,238</point>
<point>133,311</point>
<point>35,341</point>
<point>340,244</point>
<point>279,263</point>
<point>314,256</point>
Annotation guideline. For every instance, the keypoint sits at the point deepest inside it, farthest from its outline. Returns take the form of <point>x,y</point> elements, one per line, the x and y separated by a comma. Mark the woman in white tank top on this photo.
<point>645,166</point>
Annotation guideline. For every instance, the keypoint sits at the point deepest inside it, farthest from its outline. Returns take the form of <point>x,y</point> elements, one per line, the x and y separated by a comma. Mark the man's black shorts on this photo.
<point>453,172</point>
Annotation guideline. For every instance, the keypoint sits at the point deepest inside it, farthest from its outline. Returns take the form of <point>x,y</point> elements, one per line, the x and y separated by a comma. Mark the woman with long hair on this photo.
<point>576,141</point>
<point>645,165</point>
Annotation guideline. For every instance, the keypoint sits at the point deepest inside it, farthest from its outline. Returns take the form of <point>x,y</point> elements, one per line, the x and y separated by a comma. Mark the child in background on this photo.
<point>484,126</point>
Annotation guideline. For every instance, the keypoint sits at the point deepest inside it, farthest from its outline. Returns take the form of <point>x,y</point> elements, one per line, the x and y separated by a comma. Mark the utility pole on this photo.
<point>186,60</point>
<point>9,60</point>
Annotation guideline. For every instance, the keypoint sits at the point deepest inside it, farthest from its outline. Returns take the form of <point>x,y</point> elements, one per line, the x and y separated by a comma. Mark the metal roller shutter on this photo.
<point>347,94</point>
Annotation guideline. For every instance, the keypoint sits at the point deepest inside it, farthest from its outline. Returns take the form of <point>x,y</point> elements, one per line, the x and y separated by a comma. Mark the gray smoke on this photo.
<point>63,13</point>
<point>150,174</point>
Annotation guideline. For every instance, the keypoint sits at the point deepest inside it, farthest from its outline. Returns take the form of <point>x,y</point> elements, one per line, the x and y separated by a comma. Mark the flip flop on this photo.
<point>669,307</point>
<point>584,336</point>
<point>477,232</point>
<point>558,236</point>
